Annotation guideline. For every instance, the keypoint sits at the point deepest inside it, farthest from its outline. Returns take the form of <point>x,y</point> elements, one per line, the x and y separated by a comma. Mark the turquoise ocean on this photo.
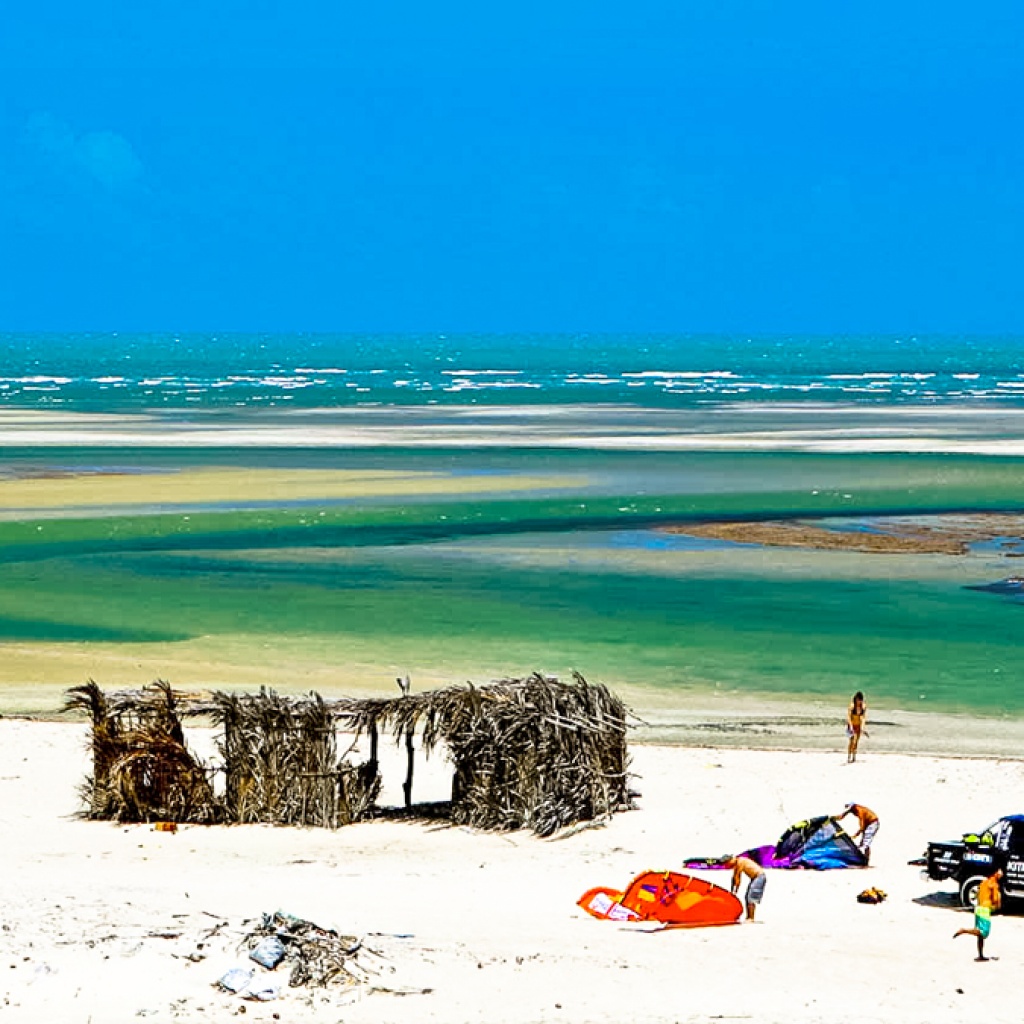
<point>119,372</point>
<point>580,576</point>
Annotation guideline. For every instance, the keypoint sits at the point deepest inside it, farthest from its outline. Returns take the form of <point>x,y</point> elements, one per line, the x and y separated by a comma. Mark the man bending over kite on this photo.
<point>755,887</point>
<point>867,821</point>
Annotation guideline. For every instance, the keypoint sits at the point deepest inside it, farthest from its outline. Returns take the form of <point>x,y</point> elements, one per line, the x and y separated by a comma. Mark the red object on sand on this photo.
<point>665,896</point>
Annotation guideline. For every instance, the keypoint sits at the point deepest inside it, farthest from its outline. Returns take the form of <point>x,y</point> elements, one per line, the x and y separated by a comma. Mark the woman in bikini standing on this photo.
<point>856,717</point>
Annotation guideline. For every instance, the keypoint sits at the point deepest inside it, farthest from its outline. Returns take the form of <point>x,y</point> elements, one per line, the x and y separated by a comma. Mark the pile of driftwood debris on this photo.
<point>527,753</point>
<point>316,957</point>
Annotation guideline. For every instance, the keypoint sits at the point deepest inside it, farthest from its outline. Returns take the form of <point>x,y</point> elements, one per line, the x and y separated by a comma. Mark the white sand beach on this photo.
<point>109,923</point>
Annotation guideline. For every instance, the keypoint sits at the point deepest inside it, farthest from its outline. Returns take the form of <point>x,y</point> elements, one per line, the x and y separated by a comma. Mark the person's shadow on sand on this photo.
<point>940,900</point>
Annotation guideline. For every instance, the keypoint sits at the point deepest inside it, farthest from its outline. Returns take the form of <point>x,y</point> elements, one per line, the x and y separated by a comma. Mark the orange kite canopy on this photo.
<point>665,896</point>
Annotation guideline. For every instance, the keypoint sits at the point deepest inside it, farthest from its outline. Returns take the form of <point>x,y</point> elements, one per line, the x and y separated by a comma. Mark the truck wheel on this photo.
<point>969,890</point>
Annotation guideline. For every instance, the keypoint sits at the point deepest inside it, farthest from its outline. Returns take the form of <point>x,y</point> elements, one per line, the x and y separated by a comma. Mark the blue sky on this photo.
<point>643,166</point>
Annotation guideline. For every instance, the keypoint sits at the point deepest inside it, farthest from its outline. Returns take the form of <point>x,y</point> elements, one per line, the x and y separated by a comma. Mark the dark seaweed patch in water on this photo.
<point>1012,586</point>
<point>773,725</point>
<point>237,570</point>
<point>67,632</point>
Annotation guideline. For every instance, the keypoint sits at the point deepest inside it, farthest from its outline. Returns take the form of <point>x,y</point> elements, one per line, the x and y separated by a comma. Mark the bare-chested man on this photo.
<point>990,898</point>
<point>755,887</point>
<point>867,822</point>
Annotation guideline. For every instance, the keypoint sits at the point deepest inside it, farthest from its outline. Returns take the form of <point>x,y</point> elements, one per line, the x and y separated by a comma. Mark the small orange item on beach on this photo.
<point>166,826</point>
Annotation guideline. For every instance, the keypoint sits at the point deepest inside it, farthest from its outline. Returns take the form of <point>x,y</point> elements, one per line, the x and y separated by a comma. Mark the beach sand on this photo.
<point>103,922</point>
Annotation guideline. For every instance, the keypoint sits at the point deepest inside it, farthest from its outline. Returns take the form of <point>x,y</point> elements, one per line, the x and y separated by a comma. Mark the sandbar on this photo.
<point>780,426</point>
<point>938,534</point>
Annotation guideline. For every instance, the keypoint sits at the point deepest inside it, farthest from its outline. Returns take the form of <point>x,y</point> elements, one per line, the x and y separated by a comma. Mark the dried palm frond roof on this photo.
<point>514,703</point>
<point>537,700</point>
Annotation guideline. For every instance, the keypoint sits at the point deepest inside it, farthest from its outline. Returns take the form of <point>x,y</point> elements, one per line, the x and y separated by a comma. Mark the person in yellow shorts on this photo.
<point>990,899</point>
<point>856,721</point>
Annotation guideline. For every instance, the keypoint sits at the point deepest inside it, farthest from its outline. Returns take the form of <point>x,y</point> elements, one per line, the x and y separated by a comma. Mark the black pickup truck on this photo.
<point>972,859</point>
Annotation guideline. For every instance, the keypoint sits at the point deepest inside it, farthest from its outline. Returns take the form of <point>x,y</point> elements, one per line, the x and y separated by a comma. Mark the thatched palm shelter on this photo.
<point>527,753</point>
<point>142,770</point>
<point>281,762</point>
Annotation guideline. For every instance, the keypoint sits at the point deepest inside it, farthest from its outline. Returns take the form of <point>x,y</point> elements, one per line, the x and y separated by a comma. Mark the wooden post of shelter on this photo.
<point>374,741</point>
<point>405,686</point>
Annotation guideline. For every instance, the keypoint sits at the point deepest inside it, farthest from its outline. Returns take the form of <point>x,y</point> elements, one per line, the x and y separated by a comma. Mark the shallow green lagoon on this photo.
<point>486,587</point>
<point>920,643</point>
